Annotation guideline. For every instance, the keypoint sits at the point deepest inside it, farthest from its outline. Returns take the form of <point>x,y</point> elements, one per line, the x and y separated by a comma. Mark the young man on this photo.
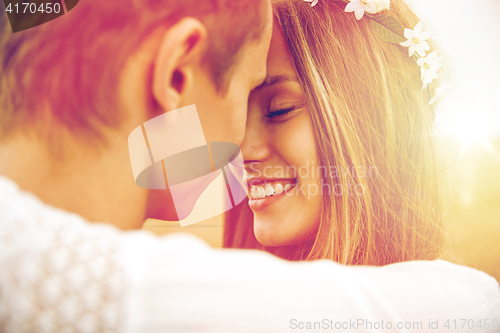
<point>95,74</point>
<point>71,92</point>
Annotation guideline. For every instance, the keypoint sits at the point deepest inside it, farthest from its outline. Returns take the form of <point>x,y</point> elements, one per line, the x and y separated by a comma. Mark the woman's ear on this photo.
<point>181,50</point>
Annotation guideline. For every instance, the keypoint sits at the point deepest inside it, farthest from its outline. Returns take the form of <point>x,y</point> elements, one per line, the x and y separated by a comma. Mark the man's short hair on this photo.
<point>72,64</point>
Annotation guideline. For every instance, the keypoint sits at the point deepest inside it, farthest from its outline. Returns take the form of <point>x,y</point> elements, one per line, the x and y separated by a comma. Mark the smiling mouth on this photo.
<point>271,188</point>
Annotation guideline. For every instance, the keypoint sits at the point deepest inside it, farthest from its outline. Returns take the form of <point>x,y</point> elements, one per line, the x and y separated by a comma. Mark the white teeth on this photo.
<point>269,190</point>
<point>262,191</point>
<point>278,189</point>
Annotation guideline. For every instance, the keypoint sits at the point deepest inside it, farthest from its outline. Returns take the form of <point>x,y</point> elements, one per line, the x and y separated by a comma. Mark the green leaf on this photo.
<point>388,28</point>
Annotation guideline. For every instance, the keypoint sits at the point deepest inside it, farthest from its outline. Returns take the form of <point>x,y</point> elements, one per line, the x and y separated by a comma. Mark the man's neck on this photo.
<point>88,184</point>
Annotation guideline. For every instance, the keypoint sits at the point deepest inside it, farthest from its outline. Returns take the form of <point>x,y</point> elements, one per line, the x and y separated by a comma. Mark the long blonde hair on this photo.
<point>368,109</point>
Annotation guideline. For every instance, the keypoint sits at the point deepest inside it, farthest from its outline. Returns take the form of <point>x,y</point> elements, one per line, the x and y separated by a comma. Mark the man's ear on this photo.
<point>181,50</point>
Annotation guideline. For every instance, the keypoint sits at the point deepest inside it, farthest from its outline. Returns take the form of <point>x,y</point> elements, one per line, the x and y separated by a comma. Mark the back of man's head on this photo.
<point>70,67</point>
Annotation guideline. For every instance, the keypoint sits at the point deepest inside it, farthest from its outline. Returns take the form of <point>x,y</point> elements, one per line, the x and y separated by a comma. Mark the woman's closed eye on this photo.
<point>284,114</point>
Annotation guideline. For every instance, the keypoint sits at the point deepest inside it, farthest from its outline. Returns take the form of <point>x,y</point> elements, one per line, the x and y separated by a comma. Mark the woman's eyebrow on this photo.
<point>276,79</point>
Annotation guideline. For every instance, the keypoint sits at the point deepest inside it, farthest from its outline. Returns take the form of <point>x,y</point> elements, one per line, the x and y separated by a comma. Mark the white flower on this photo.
<point>314,2</point>
<point>359,7</point>
<point>417,40</point>
<point>433,100</point>
<point>428,78</point>
<point>429,67</point>
<point>381,5</point>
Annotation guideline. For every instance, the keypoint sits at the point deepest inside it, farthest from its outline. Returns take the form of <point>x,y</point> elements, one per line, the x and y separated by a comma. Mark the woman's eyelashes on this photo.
<point>283,114</point>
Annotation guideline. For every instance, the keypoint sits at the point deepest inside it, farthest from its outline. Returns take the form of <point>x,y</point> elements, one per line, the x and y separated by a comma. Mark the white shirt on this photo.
<point>60,273</point>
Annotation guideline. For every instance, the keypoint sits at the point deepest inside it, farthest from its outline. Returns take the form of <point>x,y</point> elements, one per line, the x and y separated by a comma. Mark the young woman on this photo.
<point>339,149</point>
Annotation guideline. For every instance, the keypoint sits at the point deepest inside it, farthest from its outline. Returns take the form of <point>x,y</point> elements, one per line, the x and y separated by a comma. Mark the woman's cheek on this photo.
<point>299,146</point>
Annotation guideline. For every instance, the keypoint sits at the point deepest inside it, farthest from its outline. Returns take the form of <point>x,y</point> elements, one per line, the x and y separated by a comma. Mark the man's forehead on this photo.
<point>260,74</point>
<point>264,44</point>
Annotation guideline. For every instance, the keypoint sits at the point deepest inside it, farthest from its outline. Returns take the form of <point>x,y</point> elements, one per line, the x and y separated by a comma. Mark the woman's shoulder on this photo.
<point>445,290</point>
<point>435,274</point>
<point>444,270</point>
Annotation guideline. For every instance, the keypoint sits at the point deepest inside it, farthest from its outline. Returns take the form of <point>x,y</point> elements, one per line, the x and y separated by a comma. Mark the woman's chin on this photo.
<point>266,241</point>
<point>276,232</point>
<point>268,234</point>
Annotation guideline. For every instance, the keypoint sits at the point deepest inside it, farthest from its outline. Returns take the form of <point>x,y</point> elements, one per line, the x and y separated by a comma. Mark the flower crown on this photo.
<point>391,30</point>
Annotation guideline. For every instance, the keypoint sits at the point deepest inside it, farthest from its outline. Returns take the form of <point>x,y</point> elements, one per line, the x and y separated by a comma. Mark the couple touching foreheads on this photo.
<point>293,85</point>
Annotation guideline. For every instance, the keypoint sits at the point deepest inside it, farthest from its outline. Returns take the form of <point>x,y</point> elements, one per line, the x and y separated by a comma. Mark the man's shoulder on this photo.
<point>29,227</point>
<point>26,213</point>
<point>45,238</point>
<point>56,260</point>
<point>24,209</point>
